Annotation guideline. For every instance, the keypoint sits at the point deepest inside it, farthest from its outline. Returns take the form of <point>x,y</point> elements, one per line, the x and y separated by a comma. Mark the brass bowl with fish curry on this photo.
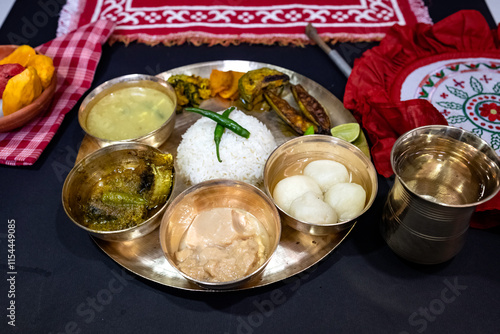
<point>119,192</point>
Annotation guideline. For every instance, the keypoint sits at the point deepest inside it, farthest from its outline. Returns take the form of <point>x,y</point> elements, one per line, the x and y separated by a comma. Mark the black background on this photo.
<point>64,279</point>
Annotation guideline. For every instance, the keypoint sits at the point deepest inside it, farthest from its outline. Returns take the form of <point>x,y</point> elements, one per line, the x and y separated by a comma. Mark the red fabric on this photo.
<point>370,88</point>
<point>283,21</point>
<point>390,120</point>
<point>75,58</point>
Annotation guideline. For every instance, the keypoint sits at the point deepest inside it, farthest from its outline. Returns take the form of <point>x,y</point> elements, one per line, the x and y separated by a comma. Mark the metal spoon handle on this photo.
<point>344,67</point>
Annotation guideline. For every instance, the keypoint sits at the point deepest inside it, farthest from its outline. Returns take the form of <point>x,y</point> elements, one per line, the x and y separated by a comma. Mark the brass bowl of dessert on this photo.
<point>220,234</point>
<point>119,192</point>
<point>320,184</point>
<point>131,108</point>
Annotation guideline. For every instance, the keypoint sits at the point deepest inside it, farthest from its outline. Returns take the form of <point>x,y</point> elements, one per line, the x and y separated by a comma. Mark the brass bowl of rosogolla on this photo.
<point>291,160</point>
<point>135,107</point>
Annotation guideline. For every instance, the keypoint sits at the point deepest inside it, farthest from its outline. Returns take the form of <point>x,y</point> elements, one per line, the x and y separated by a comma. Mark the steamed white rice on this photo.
<point>242,159</point>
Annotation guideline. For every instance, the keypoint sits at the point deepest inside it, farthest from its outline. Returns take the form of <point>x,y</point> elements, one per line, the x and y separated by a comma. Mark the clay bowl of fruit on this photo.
<point>20,114</point>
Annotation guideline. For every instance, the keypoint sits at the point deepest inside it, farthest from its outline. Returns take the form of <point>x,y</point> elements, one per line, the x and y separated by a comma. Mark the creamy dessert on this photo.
<point>129,113</point>
<point>221,245</point>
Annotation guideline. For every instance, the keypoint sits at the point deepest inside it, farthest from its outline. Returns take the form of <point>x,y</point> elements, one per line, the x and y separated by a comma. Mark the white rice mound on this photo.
<point>242,159</point>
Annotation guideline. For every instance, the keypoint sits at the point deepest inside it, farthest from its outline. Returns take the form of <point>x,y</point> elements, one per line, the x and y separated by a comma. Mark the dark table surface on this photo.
<point>66,284</point>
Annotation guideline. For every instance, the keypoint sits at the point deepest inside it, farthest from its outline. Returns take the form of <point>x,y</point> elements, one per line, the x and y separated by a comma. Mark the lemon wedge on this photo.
<point>348,131</point>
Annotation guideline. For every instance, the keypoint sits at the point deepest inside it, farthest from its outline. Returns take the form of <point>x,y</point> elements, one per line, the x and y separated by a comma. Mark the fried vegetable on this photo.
<point>191,90</point>
<point>311,108</point>
<point>231,92</point>
<point>220,81</point>
<point>225,83</point>
<point>290,115</point>
<point>252,84</point>
<point>124,197</point>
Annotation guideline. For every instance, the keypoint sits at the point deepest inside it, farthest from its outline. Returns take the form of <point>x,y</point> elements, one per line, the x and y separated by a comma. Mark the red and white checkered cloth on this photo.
<point>75,56</point>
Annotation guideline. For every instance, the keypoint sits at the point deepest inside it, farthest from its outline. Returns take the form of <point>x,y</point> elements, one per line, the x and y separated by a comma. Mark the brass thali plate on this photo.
<point>296,251</point>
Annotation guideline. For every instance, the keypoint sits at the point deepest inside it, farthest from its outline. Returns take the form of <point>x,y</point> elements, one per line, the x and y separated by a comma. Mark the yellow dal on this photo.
<point>129,113</point>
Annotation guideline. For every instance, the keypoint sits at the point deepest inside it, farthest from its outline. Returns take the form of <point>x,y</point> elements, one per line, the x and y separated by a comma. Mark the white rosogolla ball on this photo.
<point>327,173</point>
<point>289,188</point>
<point>347,199</point>
<point>310,208</point>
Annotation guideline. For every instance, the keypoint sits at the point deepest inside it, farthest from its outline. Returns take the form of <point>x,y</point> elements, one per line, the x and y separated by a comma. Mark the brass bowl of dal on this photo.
<point>180,219</point>
<point>291,157</point>
<point>131,108</point>
<point>95,167</point>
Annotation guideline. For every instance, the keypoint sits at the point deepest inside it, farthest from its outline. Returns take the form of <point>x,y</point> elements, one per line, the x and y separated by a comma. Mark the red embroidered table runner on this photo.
<point>233,22</point>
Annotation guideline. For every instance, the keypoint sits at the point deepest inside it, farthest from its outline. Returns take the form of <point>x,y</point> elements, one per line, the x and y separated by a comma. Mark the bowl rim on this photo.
<point>95,156</point>
<point>212,183</point>
<point>335,141</point>
<point>128,78</point>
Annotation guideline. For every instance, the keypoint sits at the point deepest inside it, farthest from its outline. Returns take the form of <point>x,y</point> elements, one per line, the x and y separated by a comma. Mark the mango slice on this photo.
<point>21,90</point>
<point>44,67</point>
<point>21,55</point>
<point>7,71</point>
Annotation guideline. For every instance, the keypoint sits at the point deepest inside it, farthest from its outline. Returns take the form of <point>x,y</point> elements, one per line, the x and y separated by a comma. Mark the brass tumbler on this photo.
<point>441,174</point>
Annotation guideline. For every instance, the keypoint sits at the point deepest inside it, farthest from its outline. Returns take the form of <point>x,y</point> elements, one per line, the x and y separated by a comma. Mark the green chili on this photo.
<point>224,121</point>
<point>219,130</point>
